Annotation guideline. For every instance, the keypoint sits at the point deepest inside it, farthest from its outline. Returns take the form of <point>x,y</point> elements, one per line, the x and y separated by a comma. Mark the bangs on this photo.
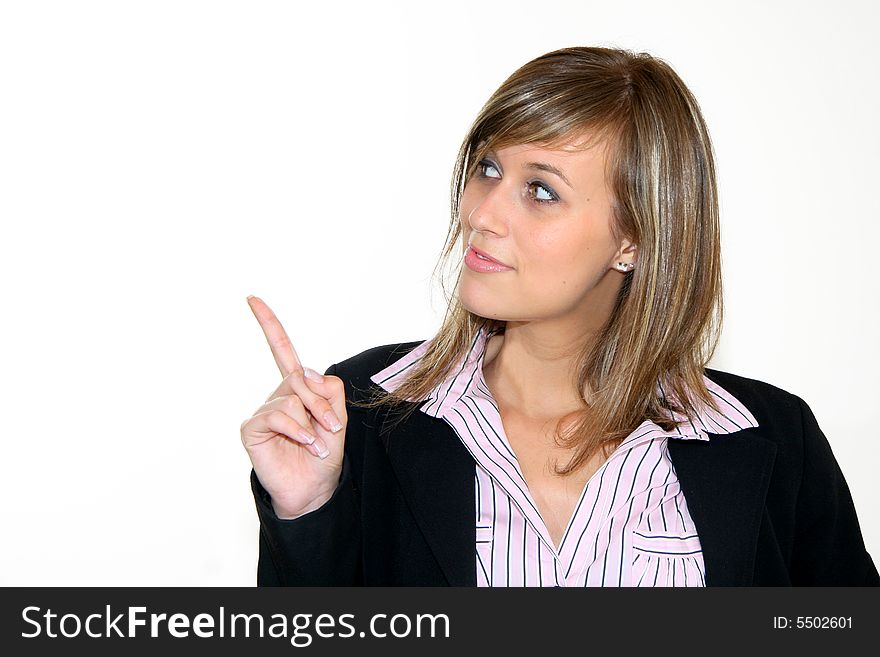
<point>554,123</point>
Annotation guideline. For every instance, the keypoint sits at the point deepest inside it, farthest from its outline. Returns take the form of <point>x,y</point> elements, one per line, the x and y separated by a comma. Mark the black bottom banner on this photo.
<point>397,621</point>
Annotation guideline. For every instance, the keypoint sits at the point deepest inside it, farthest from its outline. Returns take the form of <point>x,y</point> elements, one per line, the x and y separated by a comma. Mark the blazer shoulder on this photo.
<point>356,370</point>
<point>771,405</point>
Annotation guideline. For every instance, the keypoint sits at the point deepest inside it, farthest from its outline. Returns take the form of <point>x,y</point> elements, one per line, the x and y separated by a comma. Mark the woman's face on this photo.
<point>547,215</point>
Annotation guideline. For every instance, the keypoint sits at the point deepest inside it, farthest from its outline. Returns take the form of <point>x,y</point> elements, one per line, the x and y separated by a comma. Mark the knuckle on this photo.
<point>294,403</point>
<point>334,382</point>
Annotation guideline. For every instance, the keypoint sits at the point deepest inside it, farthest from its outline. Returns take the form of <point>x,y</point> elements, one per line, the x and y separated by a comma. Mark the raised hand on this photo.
<point>295,439</point>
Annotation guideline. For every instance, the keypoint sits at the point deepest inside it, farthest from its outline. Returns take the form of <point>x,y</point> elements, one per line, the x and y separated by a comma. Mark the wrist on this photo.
<point>284,512</point>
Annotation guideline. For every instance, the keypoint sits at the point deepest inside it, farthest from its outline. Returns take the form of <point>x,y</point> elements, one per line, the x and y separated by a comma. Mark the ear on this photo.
<point>625,258</point>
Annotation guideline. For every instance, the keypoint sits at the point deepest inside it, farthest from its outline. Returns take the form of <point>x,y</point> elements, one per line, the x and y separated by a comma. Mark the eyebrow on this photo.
<point>543,166</point>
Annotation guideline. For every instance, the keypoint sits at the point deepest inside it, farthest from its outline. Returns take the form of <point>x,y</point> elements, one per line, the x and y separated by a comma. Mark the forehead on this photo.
<point>583,163</point>
<point>566,152</point>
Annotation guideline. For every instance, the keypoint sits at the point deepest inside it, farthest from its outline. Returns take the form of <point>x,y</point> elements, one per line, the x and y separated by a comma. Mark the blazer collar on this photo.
<point>725,482</point>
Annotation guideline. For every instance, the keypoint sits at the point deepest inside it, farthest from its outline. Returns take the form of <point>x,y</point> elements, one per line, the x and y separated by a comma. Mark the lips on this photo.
<point>485,255</point>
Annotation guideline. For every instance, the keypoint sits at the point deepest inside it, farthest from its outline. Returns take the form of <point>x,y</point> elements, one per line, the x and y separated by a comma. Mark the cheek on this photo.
<point>555,248</point>
<point>560,259</point>
<point>469,200</point>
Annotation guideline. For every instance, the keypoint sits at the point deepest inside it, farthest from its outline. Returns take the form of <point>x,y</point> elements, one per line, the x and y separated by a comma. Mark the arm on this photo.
<point>320,548</point>
<point>829,549</point>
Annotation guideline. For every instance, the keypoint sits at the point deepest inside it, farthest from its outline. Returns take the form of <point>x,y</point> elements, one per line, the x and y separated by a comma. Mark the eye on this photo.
<point>549,196</point>
<point>483,166</point>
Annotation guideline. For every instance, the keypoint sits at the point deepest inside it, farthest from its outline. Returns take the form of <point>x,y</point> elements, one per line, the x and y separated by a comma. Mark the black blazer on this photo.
<point>770,503</point>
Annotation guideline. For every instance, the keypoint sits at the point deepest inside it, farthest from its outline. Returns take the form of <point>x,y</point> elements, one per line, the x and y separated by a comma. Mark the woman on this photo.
<point>561,428</point>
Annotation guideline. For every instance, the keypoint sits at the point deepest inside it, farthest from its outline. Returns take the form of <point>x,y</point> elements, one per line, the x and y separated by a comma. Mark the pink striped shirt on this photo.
<point>631,525</point>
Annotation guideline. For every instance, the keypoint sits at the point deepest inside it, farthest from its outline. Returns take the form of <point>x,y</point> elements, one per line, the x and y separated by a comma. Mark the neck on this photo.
<point>531,367</point>
<point>532,370</point>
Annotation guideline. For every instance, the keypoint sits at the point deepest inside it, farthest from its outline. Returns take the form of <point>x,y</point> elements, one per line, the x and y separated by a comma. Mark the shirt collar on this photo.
<point>466,379</point>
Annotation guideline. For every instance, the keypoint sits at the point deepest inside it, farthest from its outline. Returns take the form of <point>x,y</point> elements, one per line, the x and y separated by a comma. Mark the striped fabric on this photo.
<point>631,525</point>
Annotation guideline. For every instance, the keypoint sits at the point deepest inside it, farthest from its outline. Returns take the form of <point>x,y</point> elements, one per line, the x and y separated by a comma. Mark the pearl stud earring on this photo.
<point>625,266</point>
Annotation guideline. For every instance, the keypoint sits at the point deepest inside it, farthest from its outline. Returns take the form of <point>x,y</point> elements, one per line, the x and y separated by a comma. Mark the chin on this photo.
<point>482,306</point>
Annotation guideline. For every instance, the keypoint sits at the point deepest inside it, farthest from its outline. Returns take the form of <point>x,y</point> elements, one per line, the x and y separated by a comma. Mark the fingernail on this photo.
<point>322,450</point>
<point>313,375</point>
<point>309,438</point>
<point>332,421</point>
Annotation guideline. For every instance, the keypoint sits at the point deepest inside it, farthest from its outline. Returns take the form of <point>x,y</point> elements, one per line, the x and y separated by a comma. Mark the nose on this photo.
<point>491,212</point>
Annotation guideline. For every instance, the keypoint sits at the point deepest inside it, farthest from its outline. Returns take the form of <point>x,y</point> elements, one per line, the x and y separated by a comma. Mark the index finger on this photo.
<point>279,343</point>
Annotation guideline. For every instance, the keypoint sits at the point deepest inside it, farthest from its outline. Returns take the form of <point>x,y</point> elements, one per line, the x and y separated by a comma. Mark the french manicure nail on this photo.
<point>322,450</point>
<point>333,421</point>
<point>309,438</point>
<point>313,375</point>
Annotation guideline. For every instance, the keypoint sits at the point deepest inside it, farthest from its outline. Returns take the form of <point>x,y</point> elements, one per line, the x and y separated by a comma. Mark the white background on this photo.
<point>161,160</point>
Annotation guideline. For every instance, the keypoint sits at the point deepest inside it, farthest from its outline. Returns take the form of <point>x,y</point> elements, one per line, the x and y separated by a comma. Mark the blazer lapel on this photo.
<point>724,479</point>
<point>436,476</point>
<point>725,482</point>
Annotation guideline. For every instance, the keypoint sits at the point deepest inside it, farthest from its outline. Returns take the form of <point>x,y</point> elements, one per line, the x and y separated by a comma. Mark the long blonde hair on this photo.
<point>660,170</point>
